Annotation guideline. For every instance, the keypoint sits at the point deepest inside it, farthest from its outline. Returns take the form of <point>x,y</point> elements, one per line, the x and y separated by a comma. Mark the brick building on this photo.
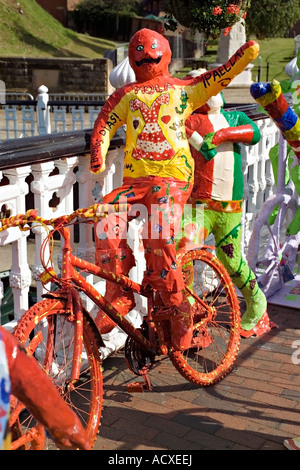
<point>153,6</point>
<point>58,8</point>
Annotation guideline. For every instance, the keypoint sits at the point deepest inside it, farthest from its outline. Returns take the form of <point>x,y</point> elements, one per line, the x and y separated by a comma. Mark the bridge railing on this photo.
<point>23,116</point>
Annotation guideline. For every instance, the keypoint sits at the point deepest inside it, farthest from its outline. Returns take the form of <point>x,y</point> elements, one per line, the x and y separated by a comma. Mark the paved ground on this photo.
<point>255,407</point>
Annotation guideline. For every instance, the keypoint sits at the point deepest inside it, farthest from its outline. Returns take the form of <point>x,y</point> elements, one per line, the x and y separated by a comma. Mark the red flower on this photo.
<point>232,9</point>
<point>227,31</point>
<point>244,15</point>
<point>217,11</point>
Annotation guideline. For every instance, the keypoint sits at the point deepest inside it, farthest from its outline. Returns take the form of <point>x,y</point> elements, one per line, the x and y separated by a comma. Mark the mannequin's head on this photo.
<point>213,105</point>
<point>149,54</point>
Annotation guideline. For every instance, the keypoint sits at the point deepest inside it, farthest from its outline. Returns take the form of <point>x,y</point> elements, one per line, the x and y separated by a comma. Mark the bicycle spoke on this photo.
<point>216,337</point>
<point>47,327</point>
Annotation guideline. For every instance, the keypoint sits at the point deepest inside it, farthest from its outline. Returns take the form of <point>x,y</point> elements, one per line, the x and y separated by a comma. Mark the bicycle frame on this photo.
<point>44,328</point>
<point>72,281</point>
<point>69,275</point>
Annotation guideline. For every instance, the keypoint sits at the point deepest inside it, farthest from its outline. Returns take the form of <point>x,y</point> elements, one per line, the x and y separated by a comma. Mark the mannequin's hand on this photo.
<point>208,149</point>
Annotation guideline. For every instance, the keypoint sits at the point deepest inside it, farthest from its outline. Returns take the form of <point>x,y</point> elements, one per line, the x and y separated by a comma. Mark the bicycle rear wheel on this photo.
<point>54,352</point>
<point>216,335</point>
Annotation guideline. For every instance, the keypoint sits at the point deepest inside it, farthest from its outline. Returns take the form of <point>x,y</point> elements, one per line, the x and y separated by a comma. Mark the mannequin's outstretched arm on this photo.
<point>214,81</point>
<point>271,98</point>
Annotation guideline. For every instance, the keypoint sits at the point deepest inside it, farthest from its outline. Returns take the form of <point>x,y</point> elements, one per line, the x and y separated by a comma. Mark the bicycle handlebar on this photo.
<point>93,212</point>
<point>18,220</point>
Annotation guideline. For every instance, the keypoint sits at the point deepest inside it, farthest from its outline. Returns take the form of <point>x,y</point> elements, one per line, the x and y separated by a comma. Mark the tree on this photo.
<point>108,6</point>
<point>207,16</point>
<point>102,17</point>
<point>272,18</point>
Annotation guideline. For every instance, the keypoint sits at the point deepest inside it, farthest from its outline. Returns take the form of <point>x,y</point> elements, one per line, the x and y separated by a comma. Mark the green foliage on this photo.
<point>272,18</point>
<point>214,15</point>
<point>277,52</point>
<point>207,16</point>
<point>99,17</point>
<point>95,7</point>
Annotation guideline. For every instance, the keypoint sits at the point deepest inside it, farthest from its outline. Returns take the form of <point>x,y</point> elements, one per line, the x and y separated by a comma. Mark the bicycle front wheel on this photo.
<point>53,349</point>
<point>216,320</point>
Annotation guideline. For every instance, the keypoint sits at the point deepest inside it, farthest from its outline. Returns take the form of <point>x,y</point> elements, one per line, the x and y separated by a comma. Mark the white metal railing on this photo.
<point>23,116</point>
<point>56,179</point>
<point>258,176</point>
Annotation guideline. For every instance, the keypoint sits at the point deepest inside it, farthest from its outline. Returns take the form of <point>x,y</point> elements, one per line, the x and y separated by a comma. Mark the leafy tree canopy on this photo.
<point>99,17</point>
<point>265,18</point>
<point>109,6</point>
<point>272,18</point>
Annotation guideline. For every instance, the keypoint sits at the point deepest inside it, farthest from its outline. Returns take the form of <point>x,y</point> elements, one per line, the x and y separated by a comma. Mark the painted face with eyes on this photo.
<point>149,54</point>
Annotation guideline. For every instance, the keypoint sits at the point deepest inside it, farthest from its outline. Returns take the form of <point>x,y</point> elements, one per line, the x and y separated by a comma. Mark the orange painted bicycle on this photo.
<point>62,335</point>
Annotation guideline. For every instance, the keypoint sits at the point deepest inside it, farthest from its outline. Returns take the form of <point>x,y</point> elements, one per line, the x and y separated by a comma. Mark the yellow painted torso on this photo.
<point>159,114</point>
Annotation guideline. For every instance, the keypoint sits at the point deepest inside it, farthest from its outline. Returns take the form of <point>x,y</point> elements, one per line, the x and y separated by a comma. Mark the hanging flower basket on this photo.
<point>207,16</point>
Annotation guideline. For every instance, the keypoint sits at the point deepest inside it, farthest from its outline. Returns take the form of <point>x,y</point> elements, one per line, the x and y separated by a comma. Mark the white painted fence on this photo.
<point>23,116</point>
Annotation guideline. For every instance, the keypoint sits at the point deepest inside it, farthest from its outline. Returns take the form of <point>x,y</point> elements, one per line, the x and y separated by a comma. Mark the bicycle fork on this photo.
<point>77,313</point>
<point>74,311</point>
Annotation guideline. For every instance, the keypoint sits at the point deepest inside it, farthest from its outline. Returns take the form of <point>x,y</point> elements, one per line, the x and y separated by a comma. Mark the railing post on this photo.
<point>42,195</point>
<point>43,111</point>
<point>20,274</point>
<point>86,246</point>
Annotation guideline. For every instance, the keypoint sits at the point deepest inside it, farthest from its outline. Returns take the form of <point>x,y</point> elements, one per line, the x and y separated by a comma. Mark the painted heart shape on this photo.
<point>165,119</point>
<point>135,123</point>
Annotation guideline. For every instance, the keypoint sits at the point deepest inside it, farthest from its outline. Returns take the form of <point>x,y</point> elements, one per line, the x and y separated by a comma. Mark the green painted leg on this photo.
<point>256,302</point>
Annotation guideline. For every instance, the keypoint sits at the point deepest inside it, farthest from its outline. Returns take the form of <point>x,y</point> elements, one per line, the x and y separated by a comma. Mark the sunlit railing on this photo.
<point>23,116</point>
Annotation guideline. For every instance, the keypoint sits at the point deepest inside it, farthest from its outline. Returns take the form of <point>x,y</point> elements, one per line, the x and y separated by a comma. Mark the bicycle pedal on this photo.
<point>139,387</point>
<point>136,387</point>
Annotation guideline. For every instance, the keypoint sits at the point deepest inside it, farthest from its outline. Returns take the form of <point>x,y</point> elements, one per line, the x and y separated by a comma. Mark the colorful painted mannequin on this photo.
<point>158,167</point>
<point>271,98</point>
<point>21,375</point>
<point>214,136</point>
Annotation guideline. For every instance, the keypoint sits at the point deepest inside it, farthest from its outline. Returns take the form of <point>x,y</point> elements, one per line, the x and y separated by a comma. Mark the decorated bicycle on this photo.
<point>64,339</point>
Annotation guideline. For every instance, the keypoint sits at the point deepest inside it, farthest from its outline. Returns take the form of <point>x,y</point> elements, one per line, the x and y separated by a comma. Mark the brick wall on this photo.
<point>59,9</point>
<point>59,75</point>
<point>56,8</point>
